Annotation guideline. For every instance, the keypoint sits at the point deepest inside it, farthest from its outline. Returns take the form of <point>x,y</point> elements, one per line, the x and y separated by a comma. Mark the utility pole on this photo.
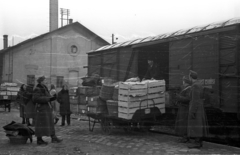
<point>113,39</point>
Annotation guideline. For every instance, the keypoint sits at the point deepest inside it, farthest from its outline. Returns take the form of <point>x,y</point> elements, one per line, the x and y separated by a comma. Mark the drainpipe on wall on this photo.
<point>51,60</point>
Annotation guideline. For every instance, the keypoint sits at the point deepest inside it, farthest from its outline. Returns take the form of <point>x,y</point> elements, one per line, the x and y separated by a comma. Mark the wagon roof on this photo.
<point>195,29</point>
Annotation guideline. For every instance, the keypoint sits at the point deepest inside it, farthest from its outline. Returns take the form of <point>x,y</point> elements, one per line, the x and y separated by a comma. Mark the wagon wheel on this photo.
<point>103,125</point>
<point>144,127</point>
<point>127,128</point>
<point>106,126</point>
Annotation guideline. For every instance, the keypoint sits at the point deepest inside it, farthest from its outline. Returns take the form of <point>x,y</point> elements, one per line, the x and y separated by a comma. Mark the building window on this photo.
<point>59,81</point>
<point>74,49</point>
<point>30,79</point>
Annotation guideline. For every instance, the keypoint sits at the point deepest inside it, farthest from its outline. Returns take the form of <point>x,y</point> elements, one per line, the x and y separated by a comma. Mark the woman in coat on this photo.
<point>44,123</point>
<point>64,101</point>
<point>21,100</point>
<point>196,118</point>
<point>54,103</point>
<point>183,99</point>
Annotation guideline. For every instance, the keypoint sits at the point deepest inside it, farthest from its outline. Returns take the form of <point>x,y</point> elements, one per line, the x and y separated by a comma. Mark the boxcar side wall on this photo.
<point>214,57</point>
<point>117,64</point>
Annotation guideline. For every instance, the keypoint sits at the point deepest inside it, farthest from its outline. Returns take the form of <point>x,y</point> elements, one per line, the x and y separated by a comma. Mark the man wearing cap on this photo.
<point>153,70</point>
<point>196,118</point>
<point>44,121</point>
<point>183,99</point>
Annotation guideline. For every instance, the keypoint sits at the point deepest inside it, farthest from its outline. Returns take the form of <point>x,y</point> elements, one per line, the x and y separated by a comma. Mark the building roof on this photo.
<point>172,34</point>
<point>54,31</point>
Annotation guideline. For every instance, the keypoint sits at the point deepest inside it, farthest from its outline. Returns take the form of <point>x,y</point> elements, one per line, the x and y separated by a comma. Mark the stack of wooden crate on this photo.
<point>140,95</point>
<point>85,95</point>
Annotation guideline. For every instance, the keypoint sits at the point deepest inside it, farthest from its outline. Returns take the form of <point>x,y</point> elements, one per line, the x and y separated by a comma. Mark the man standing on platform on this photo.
<point>196,118</point>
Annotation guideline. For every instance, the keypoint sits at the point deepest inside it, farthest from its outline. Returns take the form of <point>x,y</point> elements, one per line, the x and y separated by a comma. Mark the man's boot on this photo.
<point>56,120</point>
<point>40,141</point>
<point>55,139</point>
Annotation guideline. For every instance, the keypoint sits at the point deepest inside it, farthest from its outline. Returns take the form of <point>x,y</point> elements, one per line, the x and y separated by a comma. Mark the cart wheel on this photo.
<point>127,129</point>
<point>106,126</point>
<point>144,127</point>
<point>103,125</point>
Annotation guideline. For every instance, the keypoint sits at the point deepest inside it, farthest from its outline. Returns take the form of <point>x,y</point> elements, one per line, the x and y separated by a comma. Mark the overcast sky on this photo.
<point>127,19</point>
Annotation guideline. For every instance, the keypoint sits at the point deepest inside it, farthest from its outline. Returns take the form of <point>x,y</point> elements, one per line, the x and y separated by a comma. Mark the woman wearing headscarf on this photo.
<point>44,123</point>
<point>183,99</point>
<point>21,100</point>
<point>64,101</point>
<point>54,103</point>
<point>197,125</point>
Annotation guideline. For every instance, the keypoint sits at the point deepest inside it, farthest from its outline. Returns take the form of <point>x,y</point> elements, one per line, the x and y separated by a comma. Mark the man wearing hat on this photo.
<point>183,99</point>
<point>44,121</point>
<point>196,118</point>
<point>153,70</point>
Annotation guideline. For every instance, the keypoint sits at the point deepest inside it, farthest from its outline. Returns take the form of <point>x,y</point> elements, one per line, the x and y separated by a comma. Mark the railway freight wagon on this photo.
<point>213,51</point>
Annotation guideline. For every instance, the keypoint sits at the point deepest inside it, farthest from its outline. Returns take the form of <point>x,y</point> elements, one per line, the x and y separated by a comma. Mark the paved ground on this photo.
<point>78,140</point>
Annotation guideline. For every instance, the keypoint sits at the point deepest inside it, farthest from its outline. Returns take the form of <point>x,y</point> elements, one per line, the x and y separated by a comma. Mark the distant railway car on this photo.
<point>213,51</point>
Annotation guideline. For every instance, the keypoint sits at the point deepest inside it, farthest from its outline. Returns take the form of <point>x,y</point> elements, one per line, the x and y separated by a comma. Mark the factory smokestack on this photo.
<point>5,41</point>
<point>53,22</point>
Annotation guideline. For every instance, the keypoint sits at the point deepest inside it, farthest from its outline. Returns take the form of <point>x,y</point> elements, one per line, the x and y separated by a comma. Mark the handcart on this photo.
<point>142,119</point>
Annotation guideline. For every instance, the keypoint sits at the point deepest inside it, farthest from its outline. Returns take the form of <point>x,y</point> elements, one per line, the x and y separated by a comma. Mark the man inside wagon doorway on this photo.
<point>153,71</point>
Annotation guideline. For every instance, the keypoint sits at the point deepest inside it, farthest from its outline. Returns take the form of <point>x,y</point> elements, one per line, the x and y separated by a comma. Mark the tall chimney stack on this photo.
<point>53,22</point>
<point>70,21</point>
<point>5,41</point>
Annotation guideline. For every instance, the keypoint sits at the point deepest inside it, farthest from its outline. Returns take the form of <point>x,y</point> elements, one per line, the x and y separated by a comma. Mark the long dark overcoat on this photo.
<point>30,107</point>
<point>183,108</point>
<point>64,101</point>
<point>197,125</point>
<point>21,100</point>
<point>44,124</point>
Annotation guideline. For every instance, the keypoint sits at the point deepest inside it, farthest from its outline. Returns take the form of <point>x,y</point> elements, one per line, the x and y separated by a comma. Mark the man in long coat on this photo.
<point>196,118</point>
<point>64,100</point>
<point>183,99</point>
<point>44,124</point>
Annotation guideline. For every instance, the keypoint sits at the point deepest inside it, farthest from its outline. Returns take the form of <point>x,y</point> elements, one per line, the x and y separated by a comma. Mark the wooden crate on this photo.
<point>92,110</point>
<point>82,109</point>
<point>89,91</point>
<point>132,88</point>
<point>73,100</point>
<point>73,91</point>
<point>82,99</point>
<point>134,102</point>
<point>93,101</point>
<point>74,108</point>
<point>133,96</point>
<point>3,93</point>
<point>101,106</point>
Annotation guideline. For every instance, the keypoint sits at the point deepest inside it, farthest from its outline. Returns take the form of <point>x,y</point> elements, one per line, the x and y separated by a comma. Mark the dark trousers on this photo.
<point>68,119</point>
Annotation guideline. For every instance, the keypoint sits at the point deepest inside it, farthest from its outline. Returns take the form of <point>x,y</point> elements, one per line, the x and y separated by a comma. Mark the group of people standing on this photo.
<point>41,104</point>
<point>191,122</point>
